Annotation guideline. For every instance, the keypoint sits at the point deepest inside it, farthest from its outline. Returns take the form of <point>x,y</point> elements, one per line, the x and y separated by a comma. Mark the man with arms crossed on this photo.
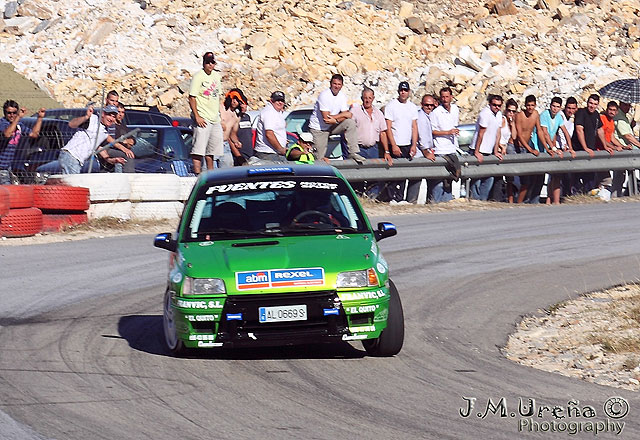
<point>205,101</point>
<point>331,115</point>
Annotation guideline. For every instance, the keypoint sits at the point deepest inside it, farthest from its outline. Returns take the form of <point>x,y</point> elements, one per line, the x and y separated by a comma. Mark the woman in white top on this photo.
<point>508,135</point>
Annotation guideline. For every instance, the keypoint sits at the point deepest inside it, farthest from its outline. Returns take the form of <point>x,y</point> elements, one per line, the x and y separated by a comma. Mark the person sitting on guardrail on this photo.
<point>331,115</point>
<point>624,135</point>
<point>444,121</point>
<point>486,141</point>
<point>528,127</point>
<point>552,124</point>
<point>80,147</point>
<point>11,134</point>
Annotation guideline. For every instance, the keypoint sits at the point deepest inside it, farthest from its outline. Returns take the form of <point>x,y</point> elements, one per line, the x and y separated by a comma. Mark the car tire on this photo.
<point>390,341</point>
<point>21,222</point>
<point>57,222</point>
<point>4,201</point>
<point>60,198</point>
<point>174,343</point>
<point>20,196</point>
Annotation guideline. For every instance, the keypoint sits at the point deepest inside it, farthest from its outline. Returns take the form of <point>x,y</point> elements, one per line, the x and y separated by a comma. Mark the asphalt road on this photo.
<point>82,355</point>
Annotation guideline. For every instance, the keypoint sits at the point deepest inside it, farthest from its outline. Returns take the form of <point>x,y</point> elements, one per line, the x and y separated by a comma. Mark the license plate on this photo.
<point>282,313</point>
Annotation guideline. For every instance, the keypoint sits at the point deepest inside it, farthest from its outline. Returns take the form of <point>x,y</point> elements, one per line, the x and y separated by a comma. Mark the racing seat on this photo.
<point>227,215</point>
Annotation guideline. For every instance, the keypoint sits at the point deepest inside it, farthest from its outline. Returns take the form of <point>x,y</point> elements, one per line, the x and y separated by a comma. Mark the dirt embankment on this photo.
<point>23,91</point>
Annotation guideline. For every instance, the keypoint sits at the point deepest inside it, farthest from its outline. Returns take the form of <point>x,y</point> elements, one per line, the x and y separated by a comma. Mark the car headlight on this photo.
<point>358,278</point>
<point>203,286</point>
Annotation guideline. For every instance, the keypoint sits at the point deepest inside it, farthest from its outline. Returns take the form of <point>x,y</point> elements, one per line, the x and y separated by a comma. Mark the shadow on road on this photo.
<point>145,333</point>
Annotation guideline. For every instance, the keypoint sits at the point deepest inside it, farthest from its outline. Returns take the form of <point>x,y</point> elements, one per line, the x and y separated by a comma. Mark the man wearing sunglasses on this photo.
<point>205,101</point>
<point>11,132</point>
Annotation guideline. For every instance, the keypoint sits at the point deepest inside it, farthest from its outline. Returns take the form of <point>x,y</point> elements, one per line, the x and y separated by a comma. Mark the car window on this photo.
<point>146,144</point>
<point>173,147</point>
<point>284,207</point>
<point>136,118</point>
<point>298,121</point>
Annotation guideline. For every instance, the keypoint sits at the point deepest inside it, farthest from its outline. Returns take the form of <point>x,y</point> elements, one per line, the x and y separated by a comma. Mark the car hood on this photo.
<point>236,261</point>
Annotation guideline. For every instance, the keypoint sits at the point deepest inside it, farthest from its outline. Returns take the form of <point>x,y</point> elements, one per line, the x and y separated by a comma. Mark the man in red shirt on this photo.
<point>609,127</point>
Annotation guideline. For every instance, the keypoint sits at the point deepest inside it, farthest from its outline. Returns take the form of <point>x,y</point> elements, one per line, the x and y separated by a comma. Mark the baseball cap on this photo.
<point>305,136</point>
<point>208,58</point>
<point>110,109</point>
<point>404,86</point>
<point>277,96</point>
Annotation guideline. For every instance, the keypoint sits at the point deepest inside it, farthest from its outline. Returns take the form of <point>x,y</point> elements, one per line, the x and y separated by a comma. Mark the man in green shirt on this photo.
<point>624,134</point>
<point>206,101</point>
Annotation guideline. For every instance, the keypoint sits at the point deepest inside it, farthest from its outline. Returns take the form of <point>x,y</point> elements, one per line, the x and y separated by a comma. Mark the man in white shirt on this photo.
<point>402,134</point>
<point>81,146</point>
<point>486,142</point>
<point>444,122</point>
<point>331,115</point>
<point>271,133</point>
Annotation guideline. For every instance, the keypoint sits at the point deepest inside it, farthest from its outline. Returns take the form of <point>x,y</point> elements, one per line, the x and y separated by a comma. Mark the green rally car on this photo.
<point>278,255</point>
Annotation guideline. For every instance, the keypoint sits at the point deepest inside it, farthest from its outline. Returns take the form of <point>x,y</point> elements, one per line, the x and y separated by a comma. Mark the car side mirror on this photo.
<point>164,241</point>
<point>385,229</point>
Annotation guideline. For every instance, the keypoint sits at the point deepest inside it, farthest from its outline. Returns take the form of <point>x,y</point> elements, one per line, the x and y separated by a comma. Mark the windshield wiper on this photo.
<point>238,232</point>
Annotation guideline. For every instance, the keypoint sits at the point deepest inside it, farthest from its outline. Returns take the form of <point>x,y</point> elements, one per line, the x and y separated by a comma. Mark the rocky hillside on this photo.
<point>147,50</point>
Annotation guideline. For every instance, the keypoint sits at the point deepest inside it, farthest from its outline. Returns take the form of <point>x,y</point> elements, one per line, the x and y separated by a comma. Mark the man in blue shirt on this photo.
<point>11,134</point>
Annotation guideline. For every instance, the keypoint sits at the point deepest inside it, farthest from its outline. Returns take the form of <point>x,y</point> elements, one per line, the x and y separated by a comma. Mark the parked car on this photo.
<point>298,121</point>
<point>133,115</point>
<point>241,273</point>
<point>158,149</point>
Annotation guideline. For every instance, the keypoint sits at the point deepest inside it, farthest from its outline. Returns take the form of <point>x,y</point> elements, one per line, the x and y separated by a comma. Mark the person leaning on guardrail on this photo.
<point>588,128</point>
<point>528,127</point>
<point>624,135</point>
<point>444,121</point>
<point>508,134</point>
<point>486,142</point>
<point>552,124</point>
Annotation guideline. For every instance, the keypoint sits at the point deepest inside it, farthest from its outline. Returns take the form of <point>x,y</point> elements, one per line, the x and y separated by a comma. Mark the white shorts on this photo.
<point>207,141</point>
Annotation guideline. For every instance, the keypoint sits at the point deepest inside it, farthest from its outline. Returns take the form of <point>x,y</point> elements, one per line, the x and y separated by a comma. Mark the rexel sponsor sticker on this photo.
<point>275,278</point>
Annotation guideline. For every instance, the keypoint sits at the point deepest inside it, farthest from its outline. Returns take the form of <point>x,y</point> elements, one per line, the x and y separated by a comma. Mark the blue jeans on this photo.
<point>480,188</point>
<point>68,163</point>
<point>5,177</point>
<point>438,193</point>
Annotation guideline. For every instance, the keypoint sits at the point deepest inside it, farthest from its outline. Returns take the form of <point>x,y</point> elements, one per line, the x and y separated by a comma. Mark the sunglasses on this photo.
<point>509,110</point>
<point>428,105</point>
<point>11,113</point>
<point>493,104</point>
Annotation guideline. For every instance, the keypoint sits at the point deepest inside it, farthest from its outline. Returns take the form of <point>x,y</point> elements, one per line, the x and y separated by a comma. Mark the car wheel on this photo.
<point>175,345</point>
<point>390,341</point>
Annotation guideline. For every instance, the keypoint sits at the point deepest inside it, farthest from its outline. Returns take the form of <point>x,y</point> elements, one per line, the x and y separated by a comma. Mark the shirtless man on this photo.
<point>528,126</point>
<point>230,117</point>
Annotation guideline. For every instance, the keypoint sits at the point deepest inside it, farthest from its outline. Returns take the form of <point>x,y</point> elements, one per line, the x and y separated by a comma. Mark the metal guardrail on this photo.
<point>511,165</point>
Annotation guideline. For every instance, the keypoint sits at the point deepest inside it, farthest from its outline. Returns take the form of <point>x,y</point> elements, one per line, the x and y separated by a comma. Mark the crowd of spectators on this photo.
<point>223,137</point>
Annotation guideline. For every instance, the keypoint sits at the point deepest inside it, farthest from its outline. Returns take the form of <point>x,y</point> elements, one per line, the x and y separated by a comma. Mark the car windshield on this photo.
<point>274,207</point>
